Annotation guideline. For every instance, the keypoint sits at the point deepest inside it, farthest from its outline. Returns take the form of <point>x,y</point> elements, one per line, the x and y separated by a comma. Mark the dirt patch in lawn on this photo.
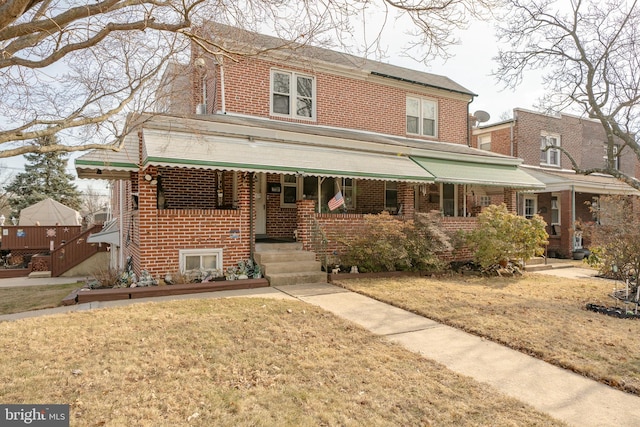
<point>544,316</point>
<point>236,362</point>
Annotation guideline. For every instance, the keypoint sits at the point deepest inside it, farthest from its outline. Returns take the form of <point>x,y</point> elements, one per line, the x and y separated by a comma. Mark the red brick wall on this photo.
<point>500,140</point>
<point>453,225</point>
<point>189,188</point>
<point>369,103</point>
<point>347,227</point>
<point>164,232</point>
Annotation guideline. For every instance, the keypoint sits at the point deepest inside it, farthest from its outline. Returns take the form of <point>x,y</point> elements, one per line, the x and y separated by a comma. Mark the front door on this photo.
<point>260,204</point>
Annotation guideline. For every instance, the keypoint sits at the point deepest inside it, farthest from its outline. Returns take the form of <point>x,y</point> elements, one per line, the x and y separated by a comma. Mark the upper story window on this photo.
<point>551,156</point>
<point>484,142</point>
<point>292,95</point>
<point>616,159</point>
<point>422,116</point>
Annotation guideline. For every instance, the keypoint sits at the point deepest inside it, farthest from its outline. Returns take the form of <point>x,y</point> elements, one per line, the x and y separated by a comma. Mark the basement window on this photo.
<point>200,260</point>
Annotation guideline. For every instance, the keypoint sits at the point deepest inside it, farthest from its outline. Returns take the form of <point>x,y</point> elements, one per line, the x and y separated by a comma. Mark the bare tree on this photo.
<point>80,67</point>
<point>590,51</point>
<point>93,200</point>
<point>5,178</point>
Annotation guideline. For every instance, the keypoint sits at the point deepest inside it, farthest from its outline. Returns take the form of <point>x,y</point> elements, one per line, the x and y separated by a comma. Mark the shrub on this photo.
<point>615,238</point>
<point>390,244</point>
<point>502,237</point>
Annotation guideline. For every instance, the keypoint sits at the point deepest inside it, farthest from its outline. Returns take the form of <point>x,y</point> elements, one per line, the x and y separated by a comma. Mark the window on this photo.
<point>391,196</point>
<point>530,206</point>
<point>555,210</point>
<point>616,159</point>
<point>551,156</point>
<point>310,187</point>
<point>200,259</point>
<point>484,142</point>
<point>292,95</point>
<point>349,192</point>
<point>421,116</point>
<point>289,190</point>
<point>449,199</point>
<point>485,200</point>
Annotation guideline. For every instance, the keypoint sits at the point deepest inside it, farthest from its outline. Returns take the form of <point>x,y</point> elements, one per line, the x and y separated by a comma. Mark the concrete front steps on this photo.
<point>540,263</point>
<point>288,264</point>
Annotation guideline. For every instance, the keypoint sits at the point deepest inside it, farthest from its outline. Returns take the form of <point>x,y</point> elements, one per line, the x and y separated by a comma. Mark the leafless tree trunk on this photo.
<point>80,67</point>
<point>590,51</point>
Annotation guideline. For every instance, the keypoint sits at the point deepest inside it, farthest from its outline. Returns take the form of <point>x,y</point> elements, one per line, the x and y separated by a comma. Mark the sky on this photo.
<point>471,66</point>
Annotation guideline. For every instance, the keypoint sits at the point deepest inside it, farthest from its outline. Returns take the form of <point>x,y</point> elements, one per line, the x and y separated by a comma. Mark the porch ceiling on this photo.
<point>210,151</point>
<point>593,184</point>
<point>461,172</point>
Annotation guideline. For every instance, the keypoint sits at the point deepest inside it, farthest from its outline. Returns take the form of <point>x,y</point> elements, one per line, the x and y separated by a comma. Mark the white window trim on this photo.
<point>557,196</point>
<point>533,197</point>
<point>293,95</point>
<point>547,136</point>
<point>421,117</point>
<point>183,253</point>
<point>283,184</point>
<point>483,141</point>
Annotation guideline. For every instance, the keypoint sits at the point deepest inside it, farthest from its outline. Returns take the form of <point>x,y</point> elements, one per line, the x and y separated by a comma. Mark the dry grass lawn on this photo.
<point>541,315</point>
<point>26,298</point>
<point>236,362</point>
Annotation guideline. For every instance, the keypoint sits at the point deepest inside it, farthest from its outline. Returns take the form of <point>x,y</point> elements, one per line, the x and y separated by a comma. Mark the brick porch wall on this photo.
<point>162,233</point>
<point>347,227</point>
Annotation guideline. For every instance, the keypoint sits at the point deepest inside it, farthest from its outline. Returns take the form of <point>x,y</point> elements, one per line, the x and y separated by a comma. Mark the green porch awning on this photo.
<point>193,150</point>
<point>480,173</point>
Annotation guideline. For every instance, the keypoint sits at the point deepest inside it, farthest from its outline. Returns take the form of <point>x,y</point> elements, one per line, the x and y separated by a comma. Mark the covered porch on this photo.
<point>200,193</point>
<point>566,203</point>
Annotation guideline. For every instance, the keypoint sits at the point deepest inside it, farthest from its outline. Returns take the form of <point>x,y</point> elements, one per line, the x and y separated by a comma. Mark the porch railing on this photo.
<point>74,251</point>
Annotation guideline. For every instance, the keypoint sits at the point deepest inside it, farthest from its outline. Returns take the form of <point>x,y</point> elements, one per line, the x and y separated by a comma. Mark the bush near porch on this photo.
<point>386,243</point>
<point>502,237</point>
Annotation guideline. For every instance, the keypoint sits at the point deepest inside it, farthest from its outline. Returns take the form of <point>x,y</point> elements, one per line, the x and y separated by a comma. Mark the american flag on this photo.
<point>336,201</point>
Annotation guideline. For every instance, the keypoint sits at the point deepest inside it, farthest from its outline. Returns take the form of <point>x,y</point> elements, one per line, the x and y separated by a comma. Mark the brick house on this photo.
<point>272,137</point>
<point>566,199</point>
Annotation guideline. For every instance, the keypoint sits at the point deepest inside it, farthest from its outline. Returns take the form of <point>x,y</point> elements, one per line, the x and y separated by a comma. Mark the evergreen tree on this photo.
<point>44,177</point>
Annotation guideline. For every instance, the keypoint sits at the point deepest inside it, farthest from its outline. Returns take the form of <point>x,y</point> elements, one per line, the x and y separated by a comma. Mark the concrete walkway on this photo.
<point>562,394</point>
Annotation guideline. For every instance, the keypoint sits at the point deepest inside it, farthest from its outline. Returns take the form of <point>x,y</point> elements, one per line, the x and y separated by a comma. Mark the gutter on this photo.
<point>388,76</point>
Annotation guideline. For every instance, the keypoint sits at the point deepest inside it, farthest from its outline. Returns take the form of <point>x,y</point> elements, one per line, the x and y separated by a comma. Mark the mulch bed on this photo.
<point>618,312</point>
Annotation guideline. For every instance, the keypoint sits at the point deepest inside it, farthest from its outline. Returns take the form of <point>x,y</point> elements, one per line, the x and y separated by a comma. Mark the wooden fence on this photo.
<point>36,239</point>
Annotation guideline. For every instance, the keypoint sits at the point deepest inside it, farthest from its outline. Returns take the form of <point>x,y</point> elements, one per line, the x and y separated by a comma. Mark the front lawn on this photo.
<point>236,362</point>
<point>540,315</point>
<point>26,298</point>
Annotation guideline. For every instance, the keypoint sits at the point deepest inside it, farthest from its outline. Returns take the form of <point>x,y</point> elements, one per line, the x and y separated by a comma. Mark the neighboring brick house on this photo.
<point>277,134</point>
<point>566,199</point>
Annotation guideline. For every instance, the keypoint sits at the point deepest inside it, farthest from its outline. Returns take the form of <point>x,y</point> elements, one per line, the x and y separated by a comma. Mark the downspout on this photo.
<point>252,208</point>
<point>121,221</point>
<point>469,123</point>
<point>223,105</point>
<point>573,218</point>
